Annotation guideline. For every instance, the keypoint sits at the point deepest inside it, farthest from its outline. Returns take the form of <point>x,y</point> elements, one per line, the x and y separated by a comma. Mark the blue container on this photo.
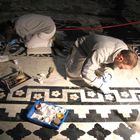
<point>50,124</point>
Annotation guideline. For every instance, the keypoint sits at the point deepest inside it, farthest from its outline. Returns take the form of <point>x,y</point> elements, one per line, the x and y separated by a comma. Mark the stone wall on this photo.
<point>71,9</point>
<point>131,11</point>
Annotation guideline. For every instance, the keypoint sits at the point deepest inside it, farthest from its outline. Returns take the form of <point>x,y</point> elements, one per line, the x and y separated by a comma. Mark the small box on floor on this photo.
<point>47,114</point>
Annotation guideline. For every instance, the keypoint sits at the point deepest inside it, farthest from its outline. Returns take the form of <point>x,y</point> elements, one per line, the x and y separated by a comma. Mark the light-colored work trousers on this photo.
<point>40,40</point>
<point>75,61</point>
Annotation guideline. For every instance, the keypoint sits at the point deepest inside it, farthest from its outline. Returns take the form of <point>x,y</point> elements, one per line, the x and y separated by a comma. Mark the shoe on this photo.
<point>59,53</point>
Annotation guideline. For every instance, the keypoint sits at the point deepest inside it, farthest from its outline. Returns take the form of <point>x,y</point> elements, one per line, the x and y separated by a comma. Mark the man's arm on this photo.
<point>93,74</point>
<point>90,66</point>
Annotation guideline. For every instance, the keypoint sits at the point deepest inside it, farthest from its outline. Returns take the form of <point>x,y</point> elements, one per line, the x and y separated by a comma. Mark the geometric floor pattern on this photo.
<point>69,131</point>
<point>89,113</point>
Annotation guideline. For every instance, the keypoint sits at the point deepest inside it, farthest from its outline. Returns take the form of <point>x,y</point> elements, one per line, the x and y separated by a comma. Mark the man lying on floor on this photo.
<point>35,30</point>
<point>94,57</point>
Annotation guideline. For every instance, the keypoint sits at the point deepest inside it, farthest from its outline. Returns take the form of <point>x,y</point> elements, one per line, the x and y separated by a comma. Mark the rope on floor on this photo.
<point>100,27</point>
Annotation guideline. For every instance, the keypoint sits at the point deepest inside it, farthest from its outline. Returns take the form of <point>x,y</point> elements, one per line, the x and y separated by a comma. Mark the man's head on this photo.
<point>126,59</point>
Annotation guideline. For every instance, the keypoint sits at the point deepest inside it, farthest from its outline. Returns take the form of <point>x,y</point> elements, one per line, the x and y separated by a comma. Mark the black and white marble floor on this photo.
<point>91,115</point>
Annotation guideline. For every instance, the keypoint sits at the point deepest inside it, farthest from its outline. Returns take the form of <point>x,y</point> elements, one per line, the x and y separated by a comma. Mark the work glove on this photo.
<point>105,79</point>
<point>102,80</point>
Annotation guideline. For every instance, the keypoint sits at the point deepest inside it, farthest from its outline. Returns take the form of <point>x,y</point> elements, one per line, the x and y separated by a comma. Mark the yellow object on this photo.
<point>20,76</point>
<point>60,115</point>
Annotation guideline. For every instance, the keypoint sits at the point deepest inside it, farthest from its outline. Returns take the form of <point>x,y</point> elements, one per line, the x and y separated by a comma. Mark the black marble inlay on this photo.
<point>124,132</point>
<point>3,87</point>
<point>72,117</point>
<point>91,115</point>
<point>11,80</point>
<point>22,116</point>
<point>74,97</point>
<point>37,96</point>
<point>21,92</point>
<point>91,94</point>
<point>3,95</point>
<point>18,132</point>
<point>133,115</point>
<point>109,97</point>
<point>138,96</point>
<point>40,55</point>
<point>3,114</point>
<point>99,132</point>
<point>72,132</point>
<point>45,133</point>
<point>55,92</point>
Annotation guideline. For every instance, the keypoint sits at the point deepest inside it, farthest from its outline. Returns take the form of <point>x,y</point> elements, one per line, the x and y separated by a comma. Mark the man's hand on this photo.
<point>105,89</point>
<point>101,82</point>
